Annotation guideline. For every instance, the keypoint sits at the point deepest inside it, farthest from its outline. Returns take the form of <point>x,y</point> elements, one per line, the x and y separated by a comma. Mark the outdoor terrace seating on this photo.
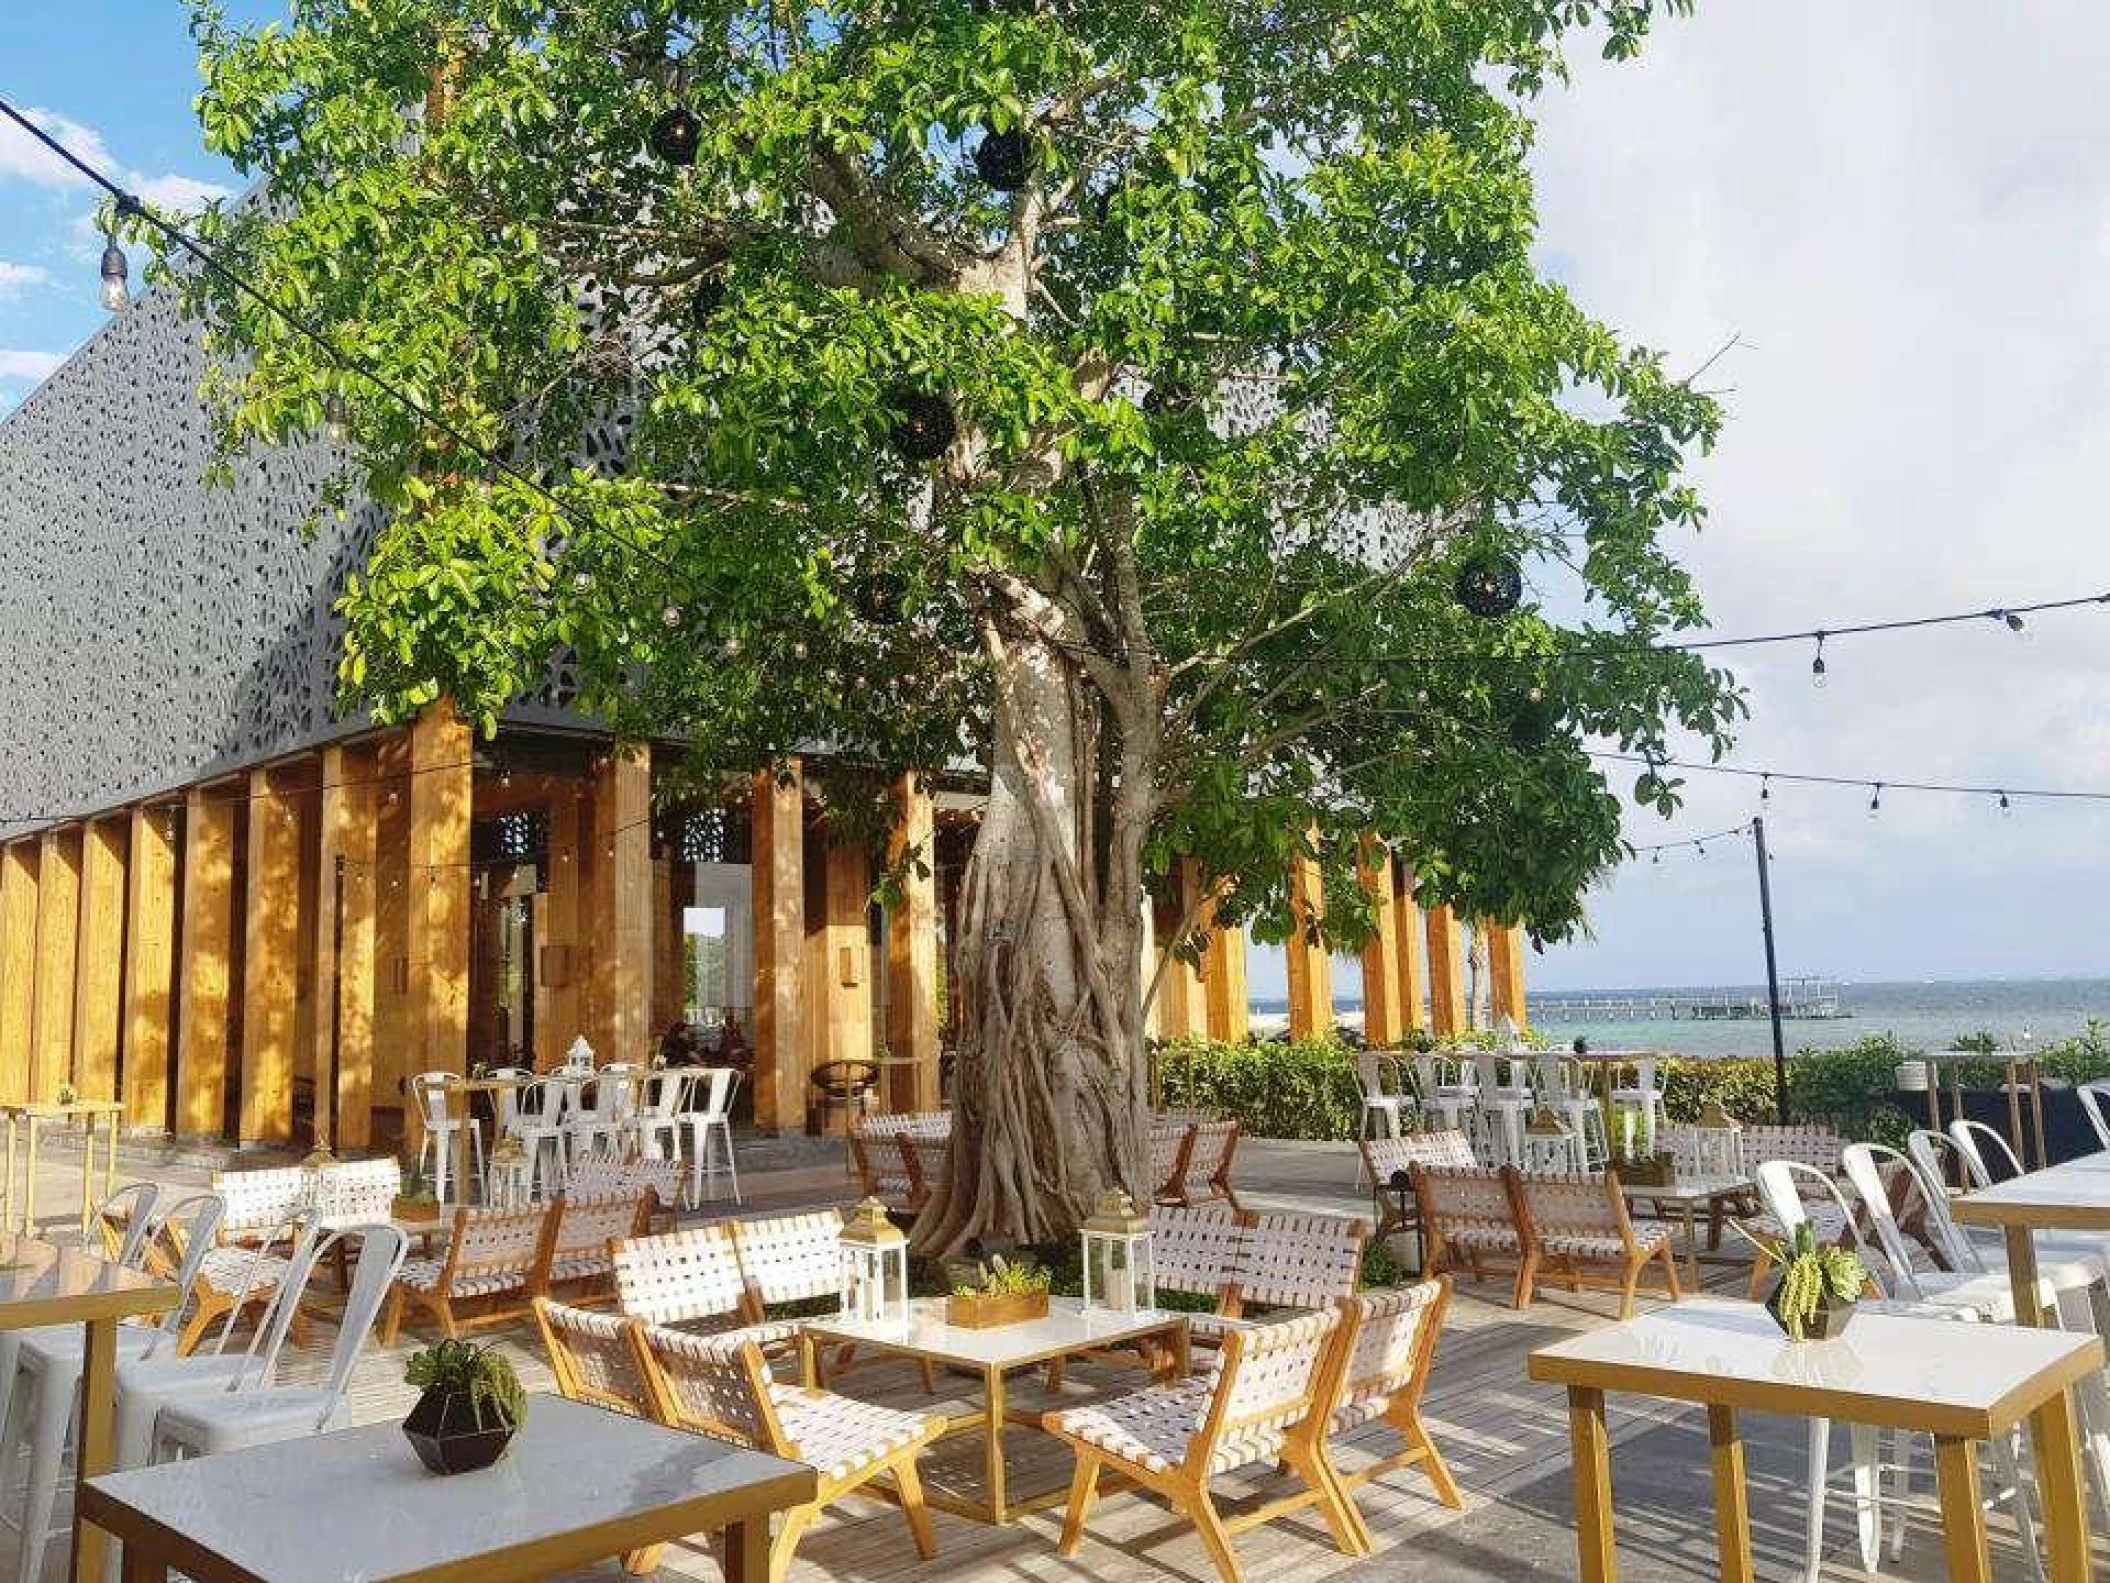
<point>1543,1224</point>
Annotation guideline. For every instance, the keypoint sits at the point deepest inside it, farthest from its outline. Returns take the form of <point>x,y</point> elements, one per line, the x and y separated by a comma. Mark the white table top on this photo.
<point>2073,1197</point>
<point>577,1485</point>
<point>1695,1188</point>
<point>1068,1329</point>
<point>1941,1376</point>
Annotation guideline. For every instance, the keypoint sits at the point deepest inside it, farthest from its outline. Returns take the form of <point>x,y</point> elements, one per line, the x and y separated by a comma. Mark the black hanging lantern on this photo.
<point>923,424</point>
<point>709,298</point>
<point>1169,396</point>
<point>1489,583</point>
<point>1003,159</point>
<point>1532,723</point>
<point>675,135</point>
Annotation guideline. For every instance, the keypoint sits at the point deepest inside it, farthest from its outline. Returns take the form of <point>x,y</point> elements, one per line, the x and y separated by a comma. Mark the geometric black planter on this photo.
<point>1829,1320</point>
<point>442,1429</point>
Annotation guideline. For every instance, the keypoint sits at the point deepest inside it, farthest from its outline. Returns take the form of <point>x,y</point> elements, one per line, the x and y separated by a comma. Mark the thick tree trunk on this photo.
<point>1050,1091</point>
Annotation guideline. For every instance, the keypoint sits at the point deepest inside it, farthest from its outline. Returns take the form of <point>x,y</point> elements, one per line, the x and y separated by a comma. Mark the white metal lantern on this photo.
<point>511,1175</point>
<point>1550,1144</point>
<point>319,1169</point>
<point>1718,1143</point>
<point>1118,1274</point>
<point>579,1058</point>
<point>875,1266</point>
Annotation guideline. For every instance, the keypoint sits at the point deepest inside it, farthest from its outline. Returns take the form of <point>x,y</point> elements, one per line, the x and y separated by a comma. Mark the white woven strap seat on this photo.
<point>1150,1428</point>
<point>1586,1245</point>
<point>1194,1250</point>
<point>605,1176</point>
<point>841,1436</point>
<point>790,1258</point>
<point>259,1201</point>
<point>582,1267</point>
<point>424,1275</point>
<point>1483,1235</point>
<point>1449,1149</point>
<point>589,1228</point>
<point>1299,1261</point>
<point>590,1349</point>
<point>241,1272</point>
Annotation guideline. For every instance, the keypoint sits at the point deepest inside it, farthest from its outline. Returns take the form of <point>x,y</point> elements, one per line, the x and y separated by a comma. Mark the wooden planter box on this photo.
<point>979,1312</point>
<point>415,1209</point>
<point>1662,1171</point>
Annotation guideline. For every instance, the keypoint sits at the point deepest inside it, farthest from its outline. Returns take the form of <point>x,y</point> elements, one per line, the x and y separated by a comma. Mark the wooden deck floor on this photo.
<point>1505,1437</point>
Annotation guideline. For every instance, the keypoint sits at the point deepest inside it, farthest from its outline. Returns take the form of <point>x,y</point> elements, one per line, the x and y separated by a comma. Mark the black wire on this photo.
<point>1692,840</point>
<point>1863,782</point>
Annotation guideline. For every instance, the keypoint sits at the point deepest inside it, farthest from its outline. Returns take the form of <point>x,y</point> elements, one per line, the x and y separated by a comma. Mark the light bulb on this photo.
<point>1765,788</point>
<point>1875,801</point>
<point>336,422</point>
<point>2004,805</point>
<point>116,294</point>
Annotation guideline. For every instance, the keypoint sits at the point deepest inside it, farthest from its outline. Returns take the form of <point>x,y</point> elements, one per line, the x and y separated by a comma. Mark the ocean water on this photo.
<point>2026,1013</point>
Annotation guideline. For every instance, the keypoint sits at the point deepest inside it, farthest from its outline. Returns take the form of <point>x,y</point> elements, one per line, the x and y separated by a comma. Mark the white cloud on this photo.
<point>28,366</point>
<point>1907,229</point>
<point>14,277</point>
<point>23,158</point>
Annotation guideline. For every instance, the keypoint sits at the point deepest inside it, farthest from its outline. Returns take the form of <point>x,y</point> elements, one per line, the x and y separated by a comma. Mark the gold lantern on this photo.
<point>319,1182</point>
<point>510,1179</point>
<point>1550,1143</point>
<point>1118,1274</point>
<point>875,1266</point>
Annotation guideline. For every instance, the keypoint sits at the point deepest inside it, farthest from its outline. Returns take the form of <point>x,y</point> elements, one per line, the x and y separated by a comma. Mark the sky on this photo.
<point>1898,213</point>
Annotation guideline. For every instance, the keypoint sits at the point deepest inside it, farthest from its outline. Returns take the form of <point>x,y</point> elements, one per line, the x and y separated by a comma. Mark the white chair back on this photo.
<point>194,1224</point>
<point>665,1093</point>
<point>359,1190</point>
<point>682,1276</point>
<point>614,1094</point>
<point>1930,1151</point>
<point>506,1101</point>
<point>557,1095</point>
<point>1865,1165</point>
<point>2092,1097</point>
<point>132,1206</point>
<point>257,1200</point>
<point>1973,1140</point>
<point>1781,1187</point>
<point>430,1090</point>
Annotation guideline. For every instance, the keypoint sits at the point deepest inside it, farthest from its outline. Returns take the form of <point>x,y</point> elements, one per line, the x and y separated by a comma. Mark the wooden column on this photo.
<point>205,954</point>
<point>1310,969</point>
<point>912,952</point>
<point>393,1056</point>
<point>346,945</point>
<point>270,960</point>
<point>667,987</point>
<point>1447,1010</point>
<point>18,965</point>
<point>777,830</point>
<point>1224,983</point>
<point>58,938</point>
<point>1412,978</point>
<point>838,983</point>
<point>1505,966</point>
<point>150,967</point>
<point>1384,1019</point>
<point>1183,1012</point>
<point>98,998</point>
<point>621,892</point>
<point>561,1013</point>
<point>441,781</point>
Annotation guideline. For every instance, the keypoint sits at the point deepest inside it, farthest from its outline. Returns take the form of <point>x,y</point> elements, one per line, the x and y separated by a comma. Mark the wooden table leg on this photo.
<point>809,1361</point>
<point>2055,1447</point>
<point>1590,1450</point>
<point>747,1551</point>
<point>1962,1517</point>
<point>1182,1351</point>
<point>7,1186</point>
<point>1692,1247</point>
<point>993,1444</point>
<point>29,1178</point>
<point>144,1566</point>
<point>1732,1509</point>
<point>2022,1275</point>
<point>87,1174</point>
<point>98,1396</point>
<point>2036,1107</point>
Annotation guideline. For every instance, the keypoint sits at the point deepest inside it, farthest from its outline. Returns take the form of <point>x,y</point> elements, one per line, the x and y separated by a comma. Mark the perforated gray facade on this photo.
<point>153,630</point>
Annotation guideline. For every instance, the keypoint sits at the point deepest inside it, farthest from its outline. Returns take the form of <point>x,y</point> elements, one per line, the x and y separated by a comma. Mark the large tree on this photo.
<point>1144,403</point>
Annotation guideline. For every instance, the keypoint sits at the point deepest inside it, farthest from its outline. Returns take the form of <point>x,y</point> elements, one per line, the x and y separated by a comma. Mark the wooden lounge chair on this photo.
<point>599,1175</point>
<point>692,1279</point>
<point>592,1357</point>
<point>722,1387</point>
<point>580,1259</point>
<point>789,1258</point>
<point>1264,1405</point>
<point>1576,1226</point>
<point>882,1163</point>
<point>1467,1219</point>
<point>1171,1142</point>
<point>1204,1174</point>
<point>1383,1157</point>
<point>1381,1363</point>
<point>495,1259</point>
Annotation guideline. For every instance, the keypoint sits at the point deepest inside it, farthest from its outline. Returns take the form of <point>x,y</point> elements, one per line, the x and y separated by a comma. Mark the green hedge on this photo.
<point>1308,1088</point>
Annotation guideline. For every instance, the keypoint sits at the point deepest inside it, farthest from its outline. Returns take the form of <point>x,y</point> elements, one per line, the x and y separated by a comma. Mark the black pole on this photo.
<point>1765,914</point>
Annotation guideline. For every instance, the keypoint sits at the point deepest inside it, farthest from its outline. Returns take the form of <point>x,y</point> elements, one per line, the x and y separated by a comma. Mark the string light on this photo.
<point>1765,787</point>
<point>1817,664</point>
<point>1875,800</point>
<point>2005,807</point>
<point>1951,788</point>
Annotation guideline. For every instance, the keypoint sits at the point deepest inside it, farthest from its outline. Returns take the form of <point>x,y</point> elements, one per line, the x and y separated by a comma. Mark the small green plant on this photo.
<point>67,1094</point>
<point>1810,1273</point>
<point>415,1189</point>
<point>999,1277</point>
<point>478,1373</point>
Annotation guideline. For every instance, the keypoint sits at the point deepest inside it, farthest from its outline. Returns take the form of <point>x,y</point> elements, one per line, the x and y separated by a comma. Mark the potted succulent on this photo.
<point>471,1403</point>
<point>1001,1293</point>
<point>415,1200</point>
<point>1818,1286</point>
